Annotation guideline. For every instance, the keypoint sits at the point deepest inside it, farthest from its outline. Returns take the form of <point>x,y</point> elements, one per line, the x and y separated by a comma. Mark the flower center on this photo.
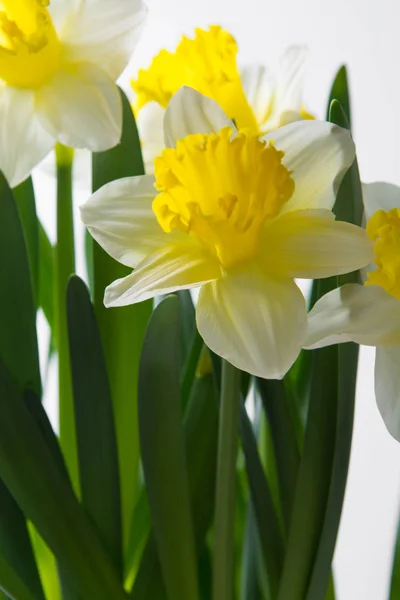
<point>29,46</point>
<point>221,189</point>
<point>384,229</point>
<point>206,63</point>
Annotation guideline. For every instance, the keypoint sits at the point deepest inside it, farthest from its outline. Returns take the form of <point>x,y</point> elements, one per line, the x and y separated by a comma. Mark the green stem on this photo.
<point>223,572</point>
<point>64,267</point>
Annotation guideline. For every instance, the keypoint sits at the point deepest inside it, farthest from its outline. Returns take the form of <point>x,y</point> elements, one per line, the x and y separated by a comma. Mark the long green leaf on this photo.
<point>18,341</point>
<point>15,544</point>
<point>271,540</point>
<point>97,448</point>
<point>287,452</point>
<point>324,465</point>
<point>12,585</point>
<point>348,208</point>
<point>40,487</point>
<point>122,330</point>
<point>25,198</point>
<point>163,454</point>
<point>200,429</point>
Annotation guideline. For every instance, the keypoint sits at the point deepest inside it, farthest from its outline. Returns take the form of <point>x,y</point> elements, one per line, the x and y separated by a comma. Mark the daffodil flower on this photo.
<point>369,314</point>
<point>254,99</point>
<point>239,217</point>
<point>58,65</point>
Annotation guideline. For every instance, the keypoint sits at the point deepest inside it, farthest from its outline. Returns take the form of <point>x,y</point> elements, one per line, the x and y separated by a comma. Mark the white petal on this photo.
<point>190,112</point>
<point>290,79</point>
<point>387,387</point>
<point>173,267</point>
<point>23,141</point>
<point>380,196</point>
<point>319,154</point>
<point>258,86</point>
<point>150,125</point>
<point>254,322</point>
<point>103,33</point>
<point>120,218</point>
<point>354,313</point>
<point>311,244</point>
<point>82,108</point>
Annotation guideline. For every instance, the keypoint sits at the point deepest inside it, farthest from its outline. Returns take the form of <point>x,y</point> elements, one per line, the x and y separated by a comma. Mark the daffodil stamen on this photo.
<point>29,46</point>
<point>221,189</point>
<point>206,63</point>
<point>384,229</point>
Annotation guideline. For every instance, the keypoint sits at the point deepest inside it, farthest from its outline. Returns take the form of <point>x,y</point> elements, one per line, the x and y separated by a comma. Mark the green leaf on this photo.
<point>10,583</point>
<point>97,447</point>
<point>18,341</point>
<point>15,544</point>
<point>271,540</point>
<point>250,587</point>
<point>340,92</point>
<point>25,198</point>
<point>324,466</point>
<point>122,329</point>
<point>41,489</point>
<point>200,429</point>
<point>286,450</point>
<point>314,478</point>
<point>163,452</point>
<point>348,207</point>
<point>46,277</point>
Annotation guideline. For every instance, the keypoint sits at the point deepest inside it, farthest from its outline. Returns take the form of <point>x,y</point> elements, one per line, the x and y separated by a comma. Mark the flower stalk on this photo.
<point>64,267</point>
<point>223,571</point>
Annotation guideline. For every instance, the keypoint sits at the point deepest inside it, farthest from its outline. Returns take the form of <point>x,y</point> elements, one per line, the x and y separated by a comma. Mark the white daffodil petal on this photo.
<point>173,267</point>
<point>319,155</point>
<point>120,218</point>
<point>150,125</point>
<point>311,244</point>
<point>103,33</point>
<point>23,141</point>
<point>256,323</point>
<point>290,80</point>
<point>380,196</point>
<point>82,108</point>
<point>387,387</point>
<point>258,86</point>
<point>363,314</point>
<point>190,112</point>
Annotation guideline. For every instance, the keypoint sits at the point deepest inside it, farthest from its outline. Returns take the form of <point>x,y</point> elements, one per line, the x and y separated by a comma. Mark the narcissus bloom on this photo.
<point>58,65</point>
<point>253,98</point>
<point>239,217</point>
<point>369,314</point>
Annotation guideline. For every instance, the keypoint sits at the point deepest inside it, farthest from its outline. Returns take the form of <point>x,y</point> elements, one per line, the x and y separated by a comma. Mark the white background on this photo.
<point>364,34</point>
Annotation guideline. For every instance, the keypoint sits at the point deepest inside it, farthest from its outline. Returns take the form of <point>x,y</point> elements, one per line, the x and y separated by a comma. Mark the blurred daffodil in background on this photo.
<point>369,314</point>
<point>238,216</point>
<point>58,65</point>
<point>257,100</point>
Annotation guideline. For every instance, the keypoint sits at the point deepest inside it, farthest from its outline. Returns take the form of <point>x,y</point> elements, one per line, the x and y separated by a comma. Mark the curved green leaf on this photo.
<point>163,453</point>
<point>97,447</point>
<point>340,91</point>
<point>18,341</point>
<point>40,488</point>
<point>12,585</point>
<point>271,540</point>
<point>46,277</point>
<point>25,198</point>
<point>122,329</point>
